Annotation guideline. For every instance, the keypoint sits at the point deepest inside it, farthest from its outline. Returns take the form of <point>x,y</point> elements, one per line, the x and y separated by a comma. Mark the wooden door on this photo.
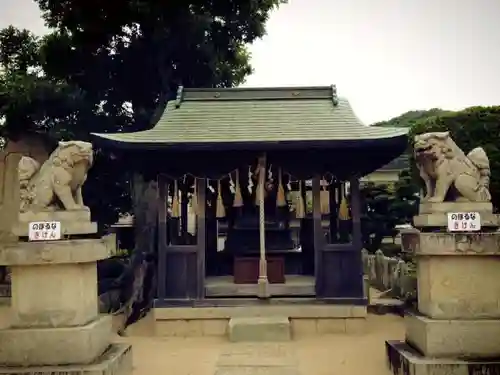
<point>338,267</point>
<point>181,268</point>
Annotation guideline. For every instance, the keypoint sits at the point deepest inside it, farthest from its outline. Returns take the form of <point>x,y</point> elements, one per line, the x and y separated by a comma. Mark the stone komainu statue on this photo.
<point>56,184</point>
<point>448,173</point>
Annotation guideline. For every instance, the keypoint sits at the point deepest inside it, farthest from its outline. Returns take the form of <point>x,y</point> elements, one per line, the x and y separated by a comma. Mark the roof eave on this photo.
<point>113,141</point>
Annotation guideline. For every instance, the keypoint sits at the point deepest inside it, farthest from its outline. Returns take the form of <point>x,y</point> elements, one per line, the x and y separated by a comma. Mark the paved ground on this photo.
<point>321,355</point>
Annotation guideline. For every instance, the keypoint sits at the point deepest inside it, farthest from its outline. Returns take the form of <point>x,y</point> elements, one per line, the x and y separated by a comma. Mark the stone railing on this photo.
<point>392,276</point>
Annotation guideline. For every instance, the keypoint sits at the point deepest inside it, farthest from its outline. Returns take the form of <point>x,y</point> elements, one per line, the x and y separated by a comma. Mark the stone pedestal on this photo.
<point>457,326</point>
<point>72,222</point>
<point>56,326</point>
<point>436,214</point>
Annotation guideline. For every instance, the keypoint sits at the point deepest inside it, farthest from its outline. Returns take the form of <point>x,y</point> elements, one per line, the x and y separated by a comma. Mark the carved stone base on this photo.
<point>77,215</point>
<point>444,207</point>
<point>116,360</point>
<point>57,252</point>
<point>459,286</point>
<point>440,220</point>
<point>403,359</point>
<point>458,274</point>
<point>72,222</point>
<point>54,284</point>
<point>436,214</point>
<point>52,346</point>
<point>454,338</point>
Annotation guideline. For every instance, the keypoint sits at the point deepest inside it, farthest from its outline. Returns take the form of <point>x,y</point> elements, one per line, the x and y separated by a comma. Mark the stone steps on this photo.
<point>260,329</point>
<point>257,359</point>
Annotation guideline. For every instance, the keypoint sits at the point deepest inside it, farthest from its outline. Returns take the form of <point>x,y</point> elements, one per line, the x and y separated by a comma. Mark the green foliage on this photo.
<point>406,198</point>
<point>384,208</point>
<point>141,53</point>
<point>376,221</point>
<point>30,102</point>
<point>470,128</point>
<point>19,49</point>
<point>108,69</point>
<point>408,119</point>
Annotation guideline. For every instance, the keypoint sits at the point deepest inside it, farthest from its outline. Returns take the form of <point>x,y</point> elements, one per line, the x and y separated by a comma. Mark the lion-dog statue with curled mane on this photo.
<point>56,185</point>
<point>448,173</point>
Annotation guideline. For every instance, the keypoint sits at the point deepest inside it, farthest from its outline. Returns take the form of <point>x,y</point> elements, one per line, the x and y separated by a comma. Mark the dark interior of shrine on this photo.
<point>232,239</point>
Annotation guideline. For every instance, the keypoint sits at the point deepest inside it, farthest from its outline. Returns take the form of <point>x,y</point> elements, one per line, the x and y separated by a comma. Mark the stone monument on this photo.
<point>456,330</point>
<point>56,327</point>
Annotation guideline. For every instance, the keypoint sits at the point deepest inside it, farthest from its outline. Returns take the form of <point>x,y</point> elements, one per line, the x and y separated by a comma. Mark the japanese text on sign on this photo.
<point>464,221</point>
<point>44,231</point>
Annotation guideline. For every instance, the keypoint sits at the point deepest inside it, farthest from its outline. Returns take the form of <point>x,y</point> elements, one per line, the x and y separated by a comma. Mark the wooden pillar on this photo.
<point>162,235</point>
<point>356,212</point>
<point>319,238</point>
<point>356,263</point>
<point>262,282</point>
<point>184,215</point>
<point>201,190</point>
<point>344,223</point>
<point>333,193</point>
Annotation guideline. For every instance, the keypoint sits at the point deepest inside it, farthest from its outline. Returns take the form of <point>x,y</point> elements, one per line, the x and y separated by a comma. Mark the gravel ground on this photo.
<point>320,355</point>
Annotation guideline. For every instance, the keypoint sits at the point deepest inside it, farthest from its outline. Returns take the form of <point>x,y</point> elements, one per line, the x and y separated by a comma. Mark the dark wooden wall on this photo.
<point>339,273</point>
<point>181,268</point>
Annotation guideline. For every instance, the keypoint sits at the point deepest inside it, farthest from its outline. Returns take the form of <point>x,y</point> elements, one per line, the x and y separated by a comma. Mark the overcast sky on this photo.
<point>386,56</point>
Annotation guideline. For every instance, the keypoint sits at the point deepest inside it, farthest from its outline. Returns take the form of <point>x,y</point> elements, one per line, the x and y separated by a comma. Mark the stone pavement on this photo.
<point>318,355</point>
<point>257,359</point>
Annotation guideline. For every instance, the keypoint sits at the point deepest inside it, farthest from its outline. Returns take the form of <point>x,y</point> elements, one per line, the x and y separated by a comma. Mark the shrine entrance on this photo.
<point>209,233</point>
<point>258,250</point>
<point>257,194</point>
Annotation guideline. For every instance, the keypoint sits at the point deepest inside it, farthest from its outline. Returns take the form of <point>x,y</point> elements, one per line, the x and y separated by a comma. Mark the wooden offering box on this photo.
<point>246,270</point>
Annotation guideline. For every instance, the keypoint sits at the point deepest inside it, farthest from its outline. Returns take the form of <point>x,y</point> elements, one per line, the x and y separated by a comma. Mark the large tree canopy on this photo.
<point>31,101</point>
<point>139,52</point>
<point>109,66</point>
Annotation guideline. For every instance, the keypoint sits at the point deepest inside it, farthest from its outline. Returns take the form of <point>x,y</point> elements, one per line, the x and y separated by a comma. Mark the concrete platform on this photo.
<point>255,307</point>
<point>269,329</point>
<point>403,359</point>
<point>306,319</point>
<point>117,360</point>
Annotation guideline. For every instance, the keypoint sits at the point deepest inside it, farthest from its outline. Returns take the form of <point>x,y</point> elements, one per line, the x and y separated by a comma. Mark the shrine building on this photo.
<point>251,194</point>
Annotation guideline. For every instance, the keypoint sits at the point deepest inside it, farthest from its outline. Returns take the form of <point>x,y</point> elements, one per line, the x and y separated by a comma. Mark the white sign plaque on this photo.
<point>464,221</point>
<point>44,231</point>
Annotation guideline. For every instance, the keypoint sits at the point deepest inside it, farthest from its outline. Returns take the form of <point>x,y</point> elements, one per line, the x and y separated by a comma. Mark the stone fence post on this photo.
<point>388,274</point>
